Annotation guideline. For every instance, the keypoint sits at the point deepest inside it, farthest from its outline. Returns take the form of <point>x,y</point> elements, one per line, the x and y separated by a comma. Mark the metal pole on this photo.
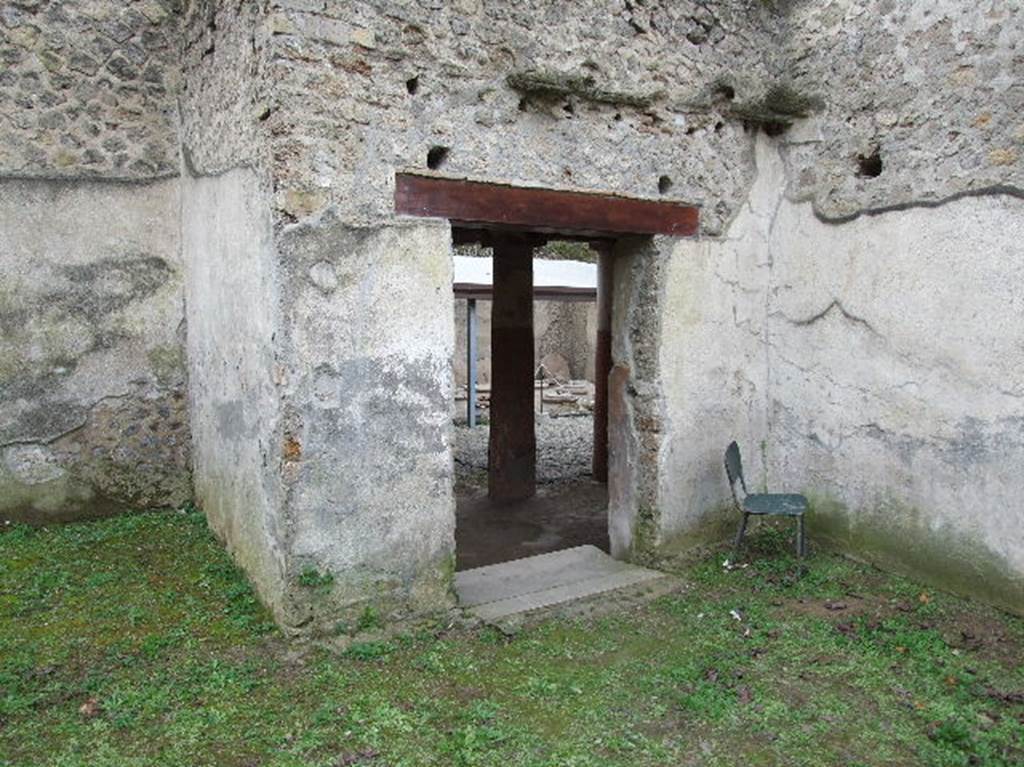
<point>471,362</point>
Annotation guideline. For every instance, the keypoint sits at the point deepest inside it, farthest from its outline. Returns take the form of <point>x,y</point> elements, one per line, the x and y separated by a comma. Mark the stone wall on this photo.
<point>855,328</point>
<point>88,88</point>
<point>616,97</point>
<point>892,323</point>
<point>564,336</point>
<point>233,314</point>
<point>896,391</point>
<point>93,412</point>
<point>934,90</point>
<point>224,106</point>
<point>365,334</point>
<point>367,339</point>
<point>870,364</point>
<point>847,313</point>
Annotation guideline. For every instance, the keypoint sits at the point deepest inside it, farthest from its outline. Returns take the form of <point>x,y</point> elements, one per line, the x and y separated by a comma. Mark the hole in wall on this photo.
<point>725,91</point>
<point>664,184</point>
<point>870,165</point>
<point>436,156</point>
<point>568,108</point>
<point>523,105</point>
<point>718,126</point>
<point>412,85</point>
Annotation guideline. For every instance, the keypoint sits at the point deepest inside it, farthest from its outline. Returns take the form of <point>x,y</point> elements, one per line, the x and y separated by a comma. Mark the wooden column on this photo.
<point>512,453</point>
<point>602,360</point>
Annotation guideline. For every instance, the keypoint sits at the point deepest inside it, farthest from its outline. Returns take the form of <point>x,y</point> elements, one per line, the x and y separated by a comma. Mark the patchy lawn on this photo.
<point>134,641</point>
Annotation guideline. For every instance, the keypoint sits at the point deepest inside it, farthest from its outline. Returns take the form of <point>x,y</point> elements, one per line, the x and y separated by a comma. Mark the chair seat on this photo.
<point>787,504</point>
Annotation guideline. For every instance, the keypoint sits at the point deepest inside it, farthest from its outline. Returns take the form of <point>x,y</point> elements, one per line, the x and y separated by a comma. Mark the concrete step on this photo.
<point>583,576</point>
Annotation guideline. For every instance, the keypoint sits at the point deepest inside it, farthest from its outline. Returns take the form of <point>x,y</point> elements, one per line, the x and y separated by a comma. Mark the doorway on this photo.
<point>568,507</point>
<point>514,222</point>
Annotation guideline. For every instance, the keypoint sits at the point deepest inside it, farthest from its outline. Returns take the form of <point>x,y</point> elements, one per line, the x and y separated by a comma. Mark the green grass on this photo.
<point>134,641</point>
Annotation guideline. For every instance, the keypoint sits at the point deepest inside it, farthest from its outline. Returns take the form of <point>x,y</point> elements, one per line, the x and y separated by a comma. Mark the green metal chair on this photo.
<point>762,504</point>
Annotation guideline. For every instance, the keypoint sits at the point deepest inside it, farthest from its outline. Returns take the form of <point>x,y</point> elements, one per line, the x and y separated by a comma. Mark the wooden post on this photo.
<point>512,450</point>
<point>602,360</point>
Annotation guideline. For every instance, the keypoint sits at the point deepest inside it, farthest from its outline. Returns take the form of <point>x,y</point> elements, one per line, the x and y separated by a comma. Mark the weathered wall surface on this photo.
<point>93,416</point>
<point>564,335</point>
<point>873,364</point>
<point>867,289</point>
<point>369,335</point>
<point>713,367</point>
<point>635,398</point>
<point>380,84</point>
<point>690,376</point>
<point>242,446</point>
<point>850,319</point>
<point>232,318</point>
<point>897,385</point>
<point>894,338</point>
<point>88,88</point>
<point>366,333</point>
<point>223,103</point>
<point>936,88</point>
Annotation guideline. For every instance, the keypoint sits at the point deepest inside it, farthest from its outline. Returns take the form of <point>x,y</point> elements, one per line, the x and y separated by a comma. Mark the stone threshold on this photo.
<point>538,585</point>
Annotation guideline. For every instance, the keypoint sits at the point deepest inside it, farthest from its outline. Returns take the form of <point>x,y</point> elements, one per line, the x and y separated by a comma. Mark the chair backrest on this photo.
<point>734,470</point>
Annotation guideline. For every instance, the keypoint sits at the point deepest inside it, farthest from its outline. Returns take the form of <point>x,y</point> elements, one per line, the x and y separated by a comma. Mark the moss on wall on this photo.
<point>547,84</point>
<point>895,536</point>
<point>322,605</point>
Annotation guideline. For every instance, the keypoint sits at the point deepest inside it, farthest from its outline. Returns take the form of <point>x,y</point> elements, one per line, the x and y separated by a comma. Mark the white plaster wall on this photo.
<point>713,364</point>
<point>92,379</point>
<point>689,377</point>
<point>231,302</point>
<point>370,334</point>
<point>896,374</point>
<point>879,366</point>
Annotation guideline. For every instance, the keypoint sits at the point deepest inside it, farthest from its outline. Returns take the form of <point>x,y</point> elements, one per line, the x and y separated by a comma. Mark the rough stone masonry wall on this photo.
<point>88,88</point>
<point>320,356</point>
<point>243,452</point>
<point>224,102</point>
<point>93,415</point>
<point>363,89</point>
<point>935,89</point>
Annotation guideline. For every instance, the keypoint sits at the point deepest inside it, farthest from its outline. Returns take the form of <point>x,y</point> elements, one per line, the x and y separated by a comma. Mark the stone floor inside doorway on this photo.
<point>569,510</point>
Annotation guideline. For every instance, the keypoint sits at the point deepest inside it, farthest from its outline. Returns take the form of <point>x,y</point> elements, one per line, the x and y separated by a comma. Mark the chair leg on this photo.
<point>739,539</point>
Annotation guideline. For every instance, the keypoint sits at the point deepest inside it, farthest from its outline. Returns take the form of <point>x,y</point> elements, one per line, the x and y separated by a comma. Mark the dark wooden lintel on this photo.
<point>581,215</point>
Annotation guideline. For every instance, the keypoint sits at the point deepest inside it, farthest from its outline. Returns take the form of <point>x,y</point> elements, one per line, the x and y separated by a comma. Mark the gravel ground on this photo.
<point>564,447</point>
